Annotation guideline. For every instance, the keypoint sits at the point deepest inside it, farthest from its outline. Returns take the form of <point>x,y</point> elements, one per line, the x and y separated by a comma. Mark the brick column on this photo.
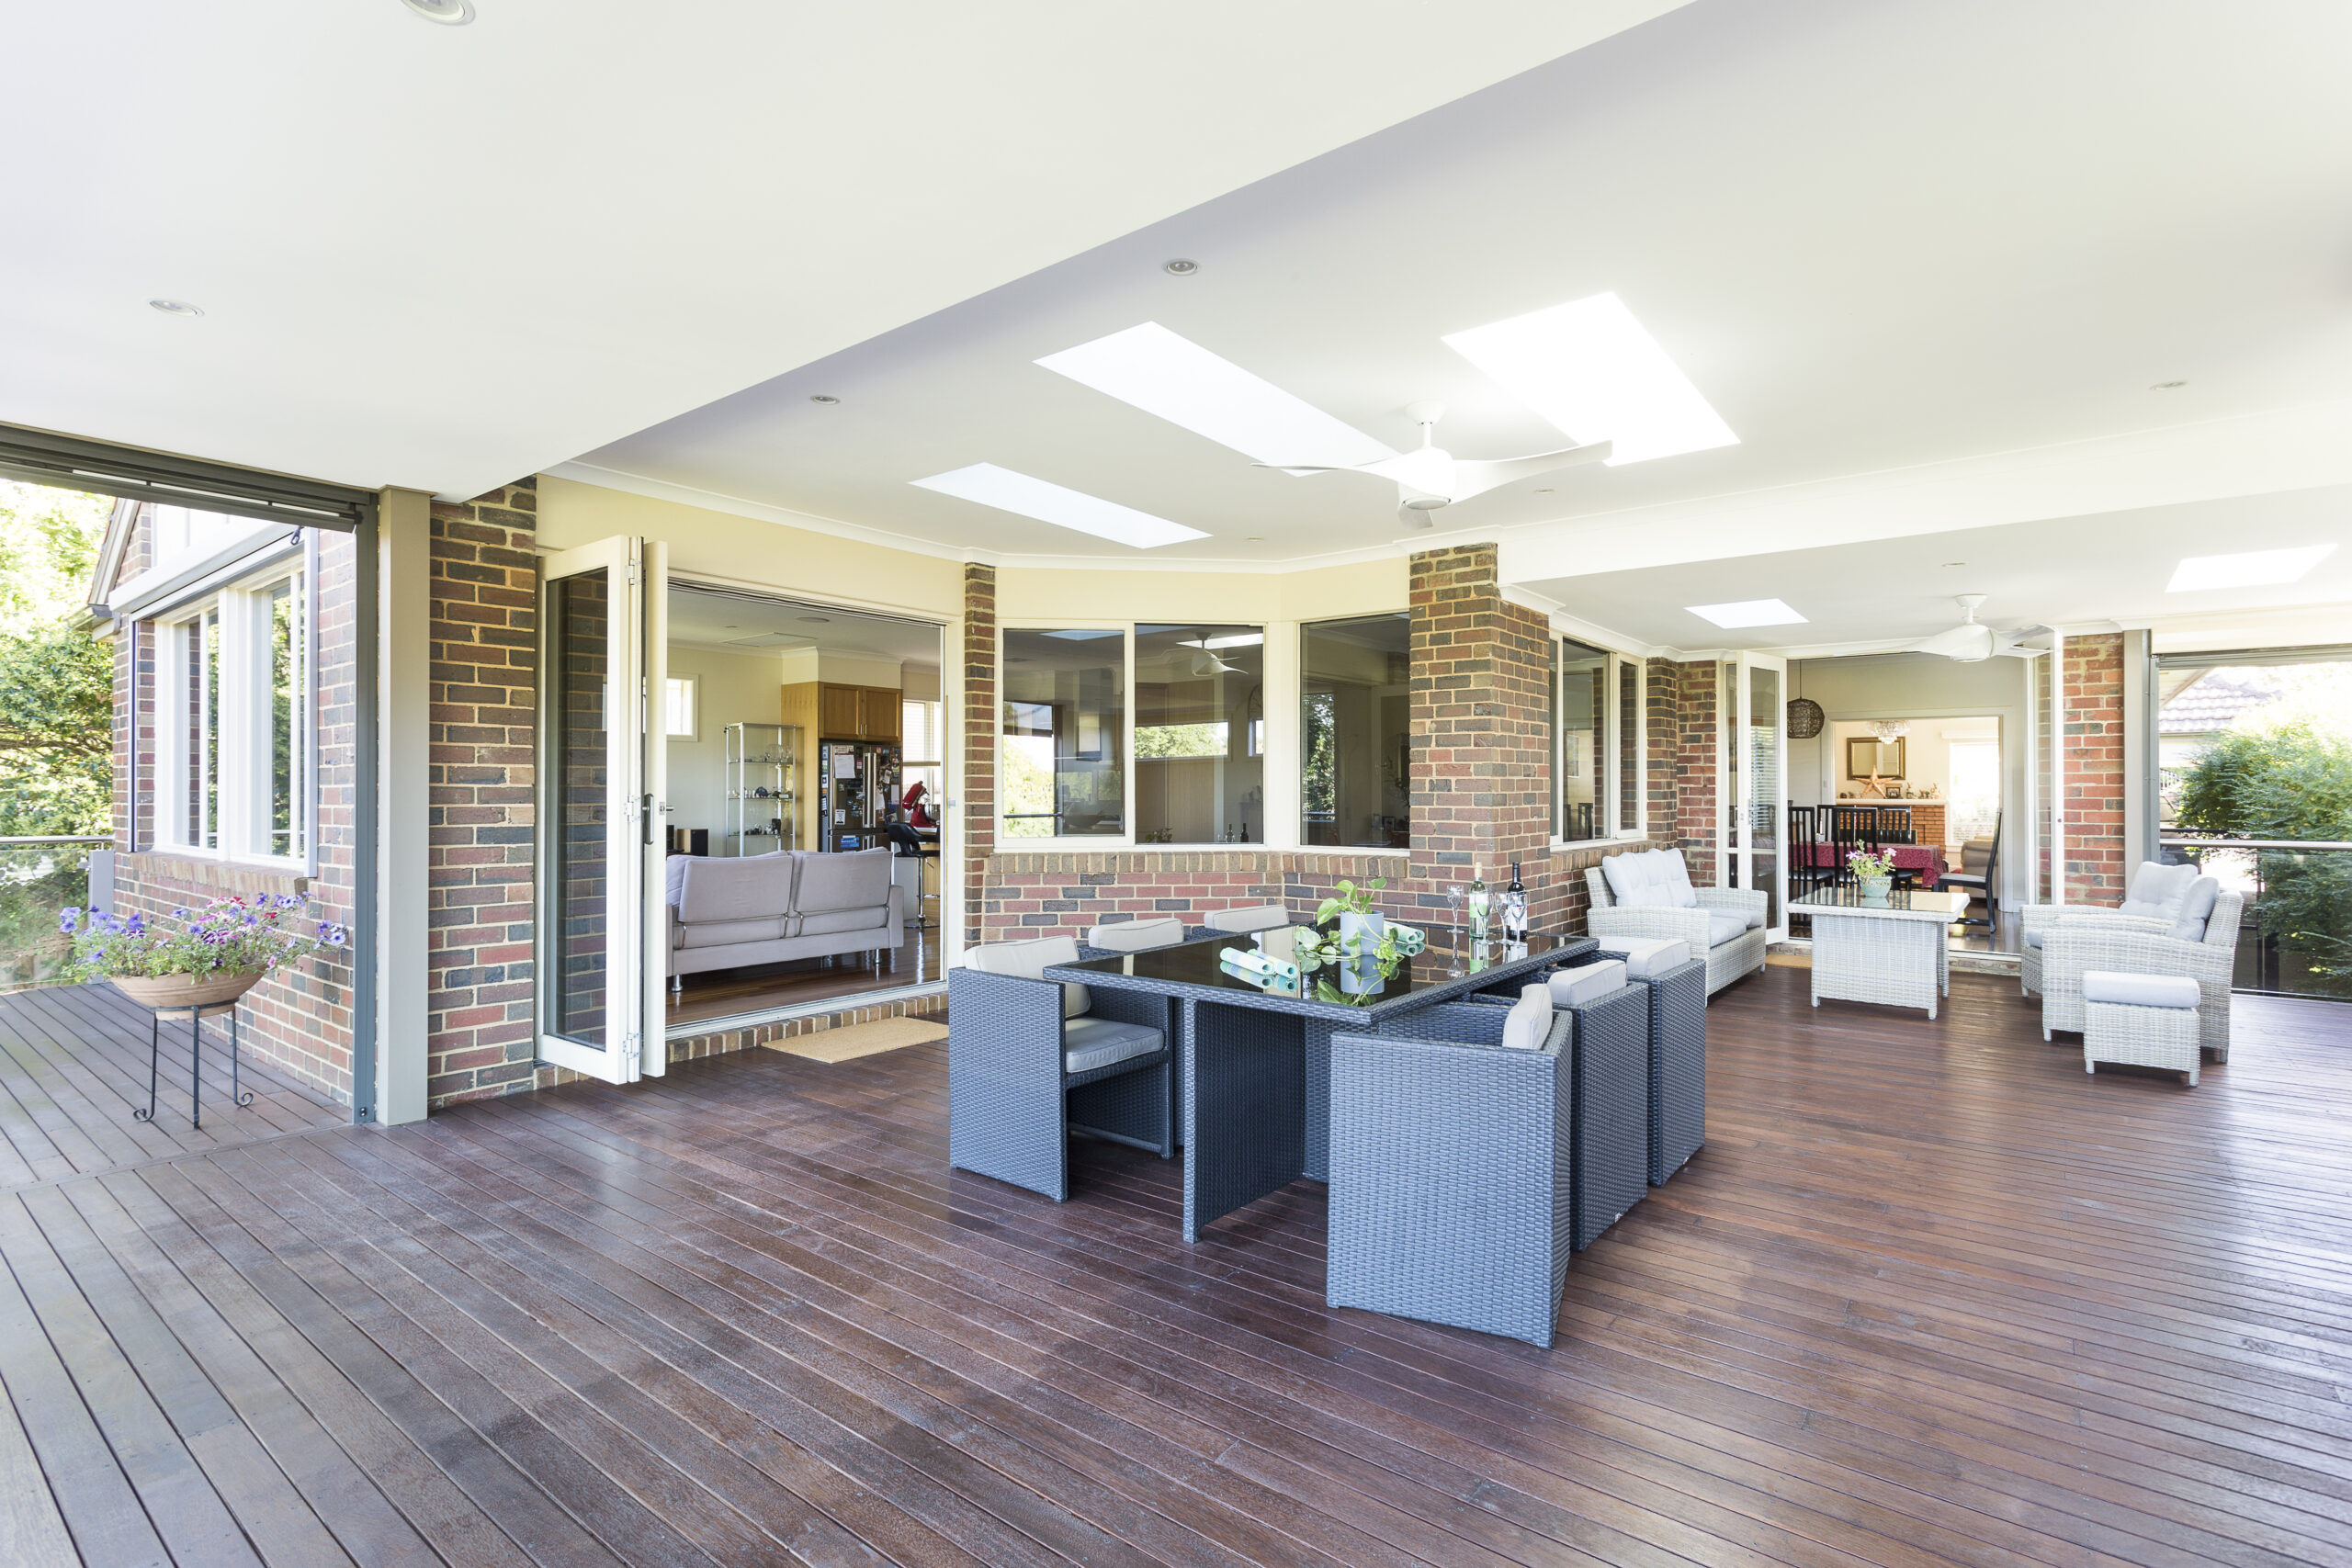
<point>2092,774</point>
<point>1696,736</point>
<point>481,1016</point>
<point>976,789</point>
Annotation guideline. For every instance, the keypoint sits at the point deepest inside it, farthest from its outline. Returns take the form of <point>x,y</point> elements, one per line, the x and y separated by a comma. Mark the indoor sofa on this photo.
<point>728,914</point>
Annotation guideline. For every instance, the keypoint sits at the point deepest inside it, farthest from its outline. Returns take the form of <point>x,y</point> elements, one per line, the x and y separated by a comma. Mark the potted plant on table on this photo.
<point>1360,928</point>
<point>193,958</point>
<point>1873,873</point>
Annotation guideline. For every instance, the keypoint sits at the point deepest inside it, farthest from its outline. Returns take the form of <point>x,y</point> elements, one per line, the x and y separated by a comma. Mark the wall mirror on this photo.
<point>1868,757</point>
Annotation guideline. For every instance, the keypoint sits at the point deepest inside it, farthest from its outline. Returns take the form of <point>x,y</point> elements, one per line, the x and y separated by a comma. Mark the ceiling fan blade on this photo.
<point>1297,468</point>
<point>1967,643</point>
<point>1477,478</point>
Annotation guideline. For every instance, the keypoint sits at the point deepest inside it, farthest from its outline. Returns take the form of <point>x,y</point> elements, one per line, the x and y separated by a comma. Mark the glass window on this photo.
<point>235,769</point>
<point>288,648</point>
<point>1629,745</point>
<point>1200,696</point>
<point>1581,729</point>
<point>1355,732</point>
<point>1063,772</point>
<point>678,706</point>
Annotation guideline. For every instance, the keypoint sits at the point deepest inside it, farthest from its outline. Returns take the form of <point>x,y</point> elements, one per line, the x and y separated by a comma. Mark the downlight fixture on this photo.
<point>826,398</point>
<point>449,13</point>
<point>1182,266</point>
<point>176,308</point>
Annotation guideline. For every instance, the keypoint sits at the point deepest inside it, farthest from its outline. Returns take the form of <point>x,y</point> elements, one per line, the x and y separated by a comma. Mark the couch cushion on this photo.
<point>2033,939</point>
<point>674,878</point>
<point>2159,891</point>
<point>1252,917</point>
<point>1529,1024</point>
<point>1645,957</point>
<point>830,922</point>
<point>2196,910</point>
<point>1675,877</point>
<point>1651,879</point>
<point>1135,936</point>
<point>757,887</point>
<point>1587,982</point>
<point>856,879</point>
<point>1091,1042</point>
<point>1725,925</point>
<point>728,934</point>
<point>2139,990</point>
<point>1030,960</point>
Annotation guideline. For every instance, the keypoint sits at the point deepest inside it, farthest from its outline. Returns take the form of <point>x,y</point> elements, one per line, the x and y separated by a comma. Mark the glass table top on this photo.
<point>1897,901</point>
<point>1202,963</point>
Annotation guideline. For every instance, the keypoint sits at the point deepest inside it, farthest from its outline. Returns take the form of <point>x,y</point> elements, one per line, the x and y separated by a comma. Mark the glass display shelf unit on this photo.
<point>758,807</point>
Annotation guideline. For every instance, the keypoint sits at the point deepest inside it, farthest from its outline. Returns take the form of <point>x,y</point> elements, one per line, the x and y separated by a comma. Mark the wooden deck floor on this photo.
<point>1930,1295</point>
<point>74,1065</point>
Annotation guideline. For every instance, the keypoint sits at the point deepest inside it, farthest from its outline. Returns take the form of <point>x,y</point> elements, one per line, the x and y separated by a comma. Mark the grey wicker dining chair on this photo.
<point>1030,1061</point>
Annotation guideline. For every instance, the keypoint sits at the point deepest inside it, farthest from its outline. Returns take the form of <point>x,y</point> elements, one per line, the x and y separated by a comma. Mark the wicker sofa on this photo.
<point>728,913</point>
<point>2064,940</point>
<point>1659,901</point>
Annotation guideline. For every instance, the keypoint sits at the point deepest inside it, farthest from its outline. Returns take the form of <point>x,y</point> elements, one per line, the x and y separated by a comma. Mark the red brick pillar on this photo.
<point>976,791</point>
<point>2091,742</point>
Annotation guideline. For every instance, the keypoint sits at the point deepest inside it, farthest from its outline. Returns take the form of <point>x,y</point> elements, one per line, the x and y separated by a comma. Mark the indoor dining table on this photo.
<point>1254,1064</point>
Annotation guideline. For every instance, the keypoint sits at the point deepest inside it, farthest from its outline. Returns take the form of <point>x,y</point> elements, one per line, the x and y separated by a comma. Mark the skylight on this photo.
<point>2251,568</point>
<point>1588,367</point>
<point>1747,613</point>
<point>1162,373</point>
<point>1048,503</point>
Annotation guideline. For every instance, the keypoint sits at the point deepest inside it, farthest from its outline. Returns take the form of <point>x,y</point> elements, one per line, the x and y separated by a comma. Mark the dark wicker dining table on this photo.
<point>1254,1065</point>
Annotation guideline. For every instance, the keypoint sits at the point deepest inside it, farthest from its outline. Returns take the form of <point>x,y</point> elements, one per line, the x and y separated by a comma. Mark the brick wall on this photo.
<point>977,787</point>
<point>1691,734</point>
<point>2093,786</point>
<point>481,1016</point>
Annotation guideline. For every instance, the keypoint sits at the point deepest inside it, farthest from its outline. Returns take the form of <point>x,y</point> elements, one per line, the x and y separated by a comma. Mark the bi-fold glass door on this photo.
<point>1755,776</point>
<point>602,661</point>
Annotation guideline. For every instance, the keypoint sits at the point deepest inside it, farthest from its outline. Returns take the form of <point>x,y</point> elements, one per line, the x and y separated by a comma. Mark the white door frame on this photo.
<point>1739,852</point>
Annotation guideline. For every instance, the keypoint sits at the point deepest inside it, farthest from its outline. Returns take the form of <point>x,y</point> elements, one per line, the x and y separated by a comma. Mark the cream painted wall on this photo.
<point>734,687</point>
<point>1030,597</point>
<point>1927,751</point>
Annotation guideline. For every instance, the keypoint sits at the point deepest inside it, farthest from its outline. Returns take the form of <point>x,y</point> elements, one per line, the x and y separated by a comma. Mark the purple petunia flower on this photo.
<point>137,926</point>
<point>68,918</point>
<point>336,936</point>
<point>179,914</point>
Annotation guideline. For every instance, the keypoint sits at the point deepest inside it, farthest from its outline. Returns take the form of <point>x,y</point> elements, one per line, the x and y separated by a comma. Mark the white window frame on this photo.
<point>1611,728</point>
<point>242,834</point>
<point>693,683</point>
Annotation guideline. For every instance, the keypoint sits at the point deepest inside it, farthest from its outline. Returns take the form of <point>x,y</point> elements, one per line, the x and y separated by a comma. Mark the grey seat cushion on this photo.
<point>1645,957</point>
<point>1587,982</point>
<point>759,887</point>
<point>1091,1042</point>
<point>1724,926</point>
<point>1255,917</point>
<point>727,933</point>
<point>1529,1024</point>
<point>1030,960</point>
<point>859,879</point>
<point>2139,990</point>
<point>2196,910</point>
<point>1135,936</point>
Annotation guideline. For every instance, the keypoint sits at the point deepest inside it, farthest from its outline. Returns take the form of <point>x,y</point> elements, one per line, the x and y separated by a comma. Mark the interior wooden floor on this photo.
<point>730,993</point>
<point>1930,1295</point>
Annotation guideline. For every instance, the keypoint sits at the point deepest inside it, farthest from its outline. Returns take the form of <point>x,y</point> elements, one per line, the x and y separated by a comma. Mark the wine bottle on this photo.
<point>1477,903</point>
<point>1515,908</point>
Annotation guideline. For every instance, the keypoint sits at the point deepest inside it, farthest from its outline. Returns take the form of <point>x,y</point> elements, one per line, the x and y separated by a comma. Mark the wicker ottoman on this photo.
<point>2142,1021</point>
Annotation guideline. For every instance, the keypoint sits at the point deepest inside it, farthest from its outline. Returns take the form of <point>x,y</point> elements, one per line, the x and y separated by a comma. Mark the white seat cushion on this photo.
<point>1649,879</point>
<point>1756,920</point>
<point>1091,1042</point>
<point>2033,939</point>
<point>1030,960</point>
<point>1645,958</point>
<point>1588,982</point>
<point>2159,892</point>
<point>1725,925</point>
<point>1255,917</point>
<point>1135,936</point>
<point>1529,1022</point>
<point>2139,990</point>
<point>2196,910</point>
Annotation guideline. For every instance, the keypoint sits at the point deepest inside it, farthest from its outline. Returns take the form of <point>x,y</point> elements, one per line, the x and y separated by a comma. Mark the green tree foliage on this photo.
<point>56,699</point>
<point>2288,781</point>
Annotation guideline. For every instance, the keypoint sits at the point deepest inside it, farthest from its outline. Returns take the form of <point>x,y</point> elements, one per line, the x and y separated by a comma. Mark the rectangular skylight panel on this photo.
<point>1161,373</point>
<point>1588,367</point>
<point>2249,569</point>
<point>1048,502</point>
<point>1747,613</point>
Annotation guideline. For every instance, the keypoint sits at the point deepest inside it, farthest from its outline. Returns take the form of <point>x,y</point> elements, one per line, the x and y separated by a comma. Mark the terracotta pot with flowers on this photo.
<point>193,958</point>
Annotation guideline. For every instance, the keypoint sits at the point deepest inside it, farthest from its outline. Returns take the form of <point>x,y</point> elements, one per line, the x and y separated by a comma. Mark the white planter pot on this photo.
<point>1363,931</point>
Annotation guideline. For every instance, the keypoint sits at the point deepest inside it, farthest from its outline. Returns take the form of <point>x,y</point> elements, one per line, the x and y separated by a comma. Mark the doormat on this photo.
<point>861,1039</point>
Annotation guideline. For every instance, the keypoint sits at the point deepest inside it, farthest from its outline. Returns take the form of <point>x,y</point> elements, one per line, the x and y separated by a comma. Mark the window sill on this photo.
<point>213,871</point>
<point>1565,846</point>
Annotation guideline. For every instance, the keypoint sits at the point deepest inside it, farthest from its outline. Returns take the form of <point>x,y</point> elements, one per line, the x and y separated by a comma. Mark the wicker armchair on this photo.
<point>1025,1072</point>
<point>1727,960</point>
<point>2074,941</point>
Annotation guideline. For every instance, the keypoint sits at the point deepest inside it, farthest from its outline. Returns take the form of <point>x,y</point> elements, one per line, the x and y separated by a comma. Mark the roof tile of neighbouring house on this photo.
<point>2212,702</point>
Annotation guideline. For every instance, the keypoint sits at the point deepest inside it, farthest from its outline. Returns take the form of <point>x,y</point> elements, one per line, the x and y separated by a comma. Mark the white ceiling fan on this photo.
<point>1430,477</point>
<point>1971,641</point>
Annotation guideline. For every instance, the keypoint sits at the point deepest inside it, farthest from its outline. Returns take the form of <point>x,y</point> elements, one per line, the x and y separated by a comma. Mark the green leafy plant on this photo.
<point>1347,898</point>
<point>228,936</point>
<point>2289,781</point>
<point>1870,866</point>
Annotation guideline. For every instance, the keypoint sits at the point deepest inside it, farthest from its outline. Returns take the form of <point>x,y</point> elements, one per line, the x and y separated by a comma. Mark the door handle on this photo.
<point>645,816</point>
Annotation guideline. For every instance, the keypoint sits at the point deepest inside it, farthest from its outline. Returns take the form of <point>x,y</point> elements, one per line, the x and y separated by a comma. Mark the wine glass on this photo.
<point>1453,896</point>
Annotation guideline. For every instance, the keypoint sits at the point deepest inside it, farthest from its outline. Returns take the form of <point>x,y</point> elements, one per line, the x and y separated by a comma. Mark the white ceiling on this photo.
<point>444,257</point>
<point>1884,238</point>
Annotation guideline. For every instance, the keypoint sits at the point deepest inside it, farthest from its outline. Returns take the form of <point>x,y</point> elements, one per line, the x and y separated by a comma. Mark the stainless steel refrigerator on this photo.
<point>857,782</point>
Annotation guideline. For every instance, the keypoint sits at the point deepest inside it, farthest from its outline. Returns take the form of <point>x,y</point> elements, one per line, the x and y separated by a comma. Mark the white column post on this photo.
<point>402,779</point>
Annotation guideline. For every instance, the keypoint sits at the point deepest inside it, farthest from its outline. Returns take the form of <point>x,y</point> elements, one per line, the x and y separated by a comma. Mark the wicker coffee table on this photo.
<point>1891,951</point>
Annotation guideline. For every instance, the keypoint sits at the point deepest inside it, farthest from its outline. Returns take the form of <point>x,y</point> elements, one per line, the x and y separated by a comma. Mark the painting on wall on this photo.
<point>1868,757</point>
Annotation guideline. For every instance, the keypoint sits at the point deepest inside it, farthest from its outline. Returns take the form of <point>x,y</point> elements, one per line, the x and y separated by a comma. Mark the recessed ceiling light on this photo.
<point>2166,386</point>
<point>818,620</point>
<point>1588,367</point>
<point>449,13</point>
<point>1179,267</point>
<point>1747,613</point>
<point>1048,503</point>
<point>1950,564</point>
<point>822,397</point>
<point>1255,539</point>
<point>1164,373</point>
<point>176,307</point>
<point>2252,569</point>
<point>1544,490</point>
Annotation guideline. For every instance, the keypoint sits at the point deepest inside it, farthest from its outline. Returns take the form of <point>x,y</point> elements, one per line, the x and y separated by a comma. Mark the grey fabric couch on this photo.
<point>727,914</point>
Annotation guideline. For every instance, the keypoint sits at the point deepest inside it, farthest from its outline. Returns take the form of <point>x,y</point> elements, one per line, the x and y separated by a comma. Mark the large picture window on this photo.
<point>1597,740</point>
<point>235,727</point>
<point>1355,732</point>
<point>1062,767</point>
<point>1200,735</point>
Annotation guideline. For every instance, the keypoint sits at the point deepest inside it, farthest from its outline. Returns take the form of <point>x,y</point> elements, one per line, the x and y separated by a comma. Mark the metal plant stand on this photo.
<point>238,1095</point>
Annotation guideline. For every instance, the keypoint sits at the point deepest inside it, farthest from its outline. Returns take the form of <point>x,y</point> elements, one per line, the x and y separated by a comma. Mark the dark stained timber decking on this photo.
<point>1929,1295</point>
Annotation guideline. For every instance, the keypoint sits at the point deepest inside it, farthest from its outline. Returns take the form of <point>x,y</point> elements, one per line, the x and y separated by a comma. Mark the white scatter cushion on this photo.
<point>1725,925</point>
<point>1091,1043</point>
<point>1529,1022</point>
<point>1030,960</point>
<point>1135,936</point>
<point>1255,917</point>
<point>1675,877</point>
<point>2157,892</point>
<point>2139,990</point>
<point>1646,958</point>
<point>1588,982</point>
<point>2196,910</point>
<point>1633,883</point>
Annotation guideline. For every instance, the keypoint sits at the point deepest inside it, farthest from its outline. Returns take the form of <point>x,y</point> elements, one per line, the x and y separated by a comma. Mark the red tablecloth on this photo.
<point>1925,860</point>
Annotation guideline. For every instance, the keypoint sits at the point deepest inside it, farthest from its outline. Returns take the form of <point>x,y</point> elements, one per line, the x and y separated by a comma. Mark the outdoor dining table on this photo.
<point>1254,1065</point>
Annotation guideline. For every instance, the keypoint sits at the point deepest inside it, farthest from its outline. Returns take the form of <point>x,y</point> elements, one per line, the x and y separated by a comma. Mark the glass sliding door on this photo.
<point>1755,781</point>
<point>603,658</point>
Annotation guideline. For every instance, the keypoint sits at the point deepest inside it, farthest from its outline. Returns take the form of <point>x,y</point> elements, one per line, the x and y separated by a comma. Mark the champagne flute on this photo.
<point>1453,895</point>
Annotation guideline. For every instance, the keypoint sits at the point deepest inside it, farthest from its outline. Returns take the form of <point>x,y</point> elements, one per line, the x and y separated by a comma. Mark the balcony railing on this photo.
<point>2297,938</point>
<point>38,878</point>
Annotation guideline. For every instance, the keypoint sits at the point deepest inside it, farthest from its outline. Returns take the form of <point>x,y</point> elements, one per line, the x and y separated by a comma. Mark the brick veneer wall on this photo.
<point>2093,738</point>
<point>1692,732</point>
<point>978,786</point>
